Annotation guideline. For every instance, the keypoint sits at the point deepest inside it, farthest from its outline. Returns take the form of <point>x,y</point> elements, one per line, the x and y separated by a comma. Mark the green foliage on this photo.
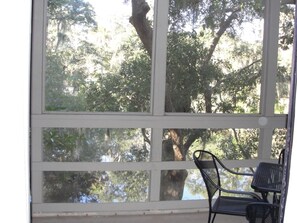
<point>64,84</point>
<point>72,145</point>
<point>278,142</point>
<point>210,14</point>
<point>64,187</point>
<point>184,70</point>
<point>136,77</point>
<point>67,63</point>
<point>188,75</point>
<point>122,186</point>
<point>95,187</point>
<point>286,33</point>
<point>229,144</point>
<point>202,76</point>
<point>95,145</point>
<point>287,14</point>
<point>126,90</point>
<point>67,13</point>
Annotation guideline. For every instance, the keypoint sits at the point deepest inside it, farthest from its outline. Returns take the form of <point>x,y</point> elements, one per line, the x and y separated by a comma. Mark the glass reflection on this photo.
<point>179,144</point>
<point>194,187</point>
<point>95,187</point>
<point>96,145</point>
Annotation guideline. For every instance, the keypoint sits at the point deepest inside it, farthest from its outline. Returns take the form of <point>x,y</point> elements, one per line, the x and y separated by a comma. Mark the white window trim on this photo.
<point>157,119</point>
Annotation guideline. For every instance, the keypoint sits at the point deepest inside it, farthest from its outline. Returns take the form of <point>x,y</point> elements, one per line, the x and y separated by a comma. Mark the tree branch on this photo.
<point>146,139</point>
<point>244,153</point>
<point>225,24</point>
<point>223,27</point>
<point>251,64</point>
<point>195,134</point>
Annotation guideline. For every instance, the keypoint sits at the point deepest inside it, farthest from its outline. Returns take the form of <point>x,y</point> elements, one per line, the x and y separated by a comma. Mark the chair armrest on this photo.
<point>247,193</point>
<point>240,173</point>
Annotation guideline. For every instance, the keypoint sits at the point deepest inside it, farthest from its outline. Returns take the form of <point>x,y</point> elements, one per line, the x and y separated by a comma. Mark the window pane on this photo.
<point>285,50</point>
<point>96,145</point>
<point>230,144</point>
<point>95,187</point>
<point>278,142</point>
<point>95,59</point>
<point>214,56</point>
<point>179,145</point>
<point>194,187</point>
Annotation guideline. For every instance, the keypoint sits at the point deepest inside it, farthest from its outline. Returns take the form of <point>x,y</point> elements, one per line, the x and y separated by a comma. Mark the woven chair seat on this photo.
<point>232,205</point>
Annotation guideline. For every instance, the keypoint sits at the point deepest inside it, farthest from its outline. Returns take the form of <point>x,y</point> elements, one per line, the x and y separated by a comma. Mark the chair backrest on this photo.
<point>206,162</point>
<point>260,212</point>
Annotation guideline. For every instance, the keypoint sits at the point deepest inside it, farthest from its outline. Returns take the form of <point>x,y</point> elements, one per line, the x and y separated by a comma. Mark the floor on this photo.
<point>200,217</point>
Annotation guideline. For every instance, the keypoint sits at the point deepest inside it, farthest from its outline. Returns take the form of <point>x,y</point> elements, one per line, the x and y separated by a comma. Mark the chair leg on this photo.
<point>210,216</point>
<point>213,218</point>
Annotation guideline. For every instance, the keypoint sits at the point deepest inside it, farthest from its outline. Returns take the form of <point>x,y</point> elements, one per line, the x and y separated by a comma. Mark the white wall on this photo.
<point>14,110</point>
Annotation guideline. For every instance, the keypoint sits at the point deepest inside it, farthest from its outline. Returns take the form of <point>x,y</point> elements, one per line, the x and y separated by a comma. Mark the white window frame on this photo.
<point>157,119</point>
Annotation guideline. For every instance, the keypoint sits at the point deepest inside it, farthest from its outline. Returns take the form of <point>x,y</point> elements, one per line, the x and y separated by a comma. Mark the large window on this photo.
<point>123,92</point>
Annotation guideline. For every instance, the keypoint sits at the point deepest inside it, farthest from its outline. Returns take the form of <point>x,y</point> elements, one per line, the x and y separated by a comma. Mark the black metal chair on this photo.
<point>234,202</point>
<point>260,212</point>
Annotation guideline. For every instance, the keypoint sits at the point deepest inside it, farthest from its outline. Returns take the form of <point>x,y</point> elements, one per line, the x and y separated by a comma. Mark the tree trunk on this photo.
<point>141,24</point>
<point>172,181</point>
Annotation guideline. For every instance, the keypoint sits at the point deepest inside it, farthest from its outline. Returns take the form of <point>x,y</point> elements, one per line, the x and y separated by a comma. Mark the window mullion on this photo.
<point>38,56</point>
<point>159,56</point>
<point>270,52</point>
<point>268,85</point>
<point>265,143</point>
<point>158,89</point>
